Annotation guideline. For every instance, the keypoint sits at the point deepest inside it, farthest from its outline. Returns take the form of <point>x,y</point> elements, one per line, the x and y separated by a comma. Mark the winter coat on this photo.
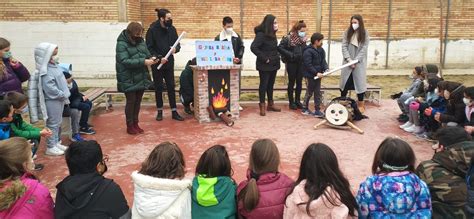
<point>76,96</point>
<point>55,84</point>
<point>273,189</point>
<point>319,208</point>
<point>159,41</point>
<point>132,73</point>
<point>289,53</point>
<point>13,76</point>
<point>20,128</point>
<point>89,196</point>
<point>161,198</point>
<point>213,198</point>
<point>455,111</point>
<point>469,116</point>
<point>314,60</point>
<point>31,203</point>
<point>470,189</point>
<point>415,89</point>
<point>352,52</point>
<point>5,130</point>
<point>394,195</point>
<point>265,48</point>
<point>237,45</point>
<point>445,175</point>
<point>186,84</point>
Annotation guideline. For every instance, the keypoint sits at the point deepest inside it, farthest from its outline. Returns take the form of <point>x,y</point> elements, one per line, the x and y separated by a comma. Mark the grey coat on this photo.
<point>352,52</point>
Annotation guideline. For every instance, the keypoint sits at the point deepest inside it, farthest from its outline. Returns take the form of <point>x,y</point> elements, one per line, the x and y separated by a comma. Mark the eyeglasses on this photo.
<point>105,159</point>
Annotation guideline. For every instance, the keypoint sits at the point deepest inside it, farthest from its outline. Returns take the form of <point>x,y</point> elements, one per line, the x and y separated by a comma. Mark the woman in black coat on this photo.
<point>265,48</point>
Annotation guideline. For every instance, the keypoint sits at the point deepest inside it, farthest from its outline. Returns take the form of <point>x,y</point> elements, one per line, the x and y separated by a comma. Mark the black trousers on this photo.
<point>350,86</point>
<point>132,105</point>
<point>168,76</point>
<point>313,88</point>
<point>295,76</point>
<point>267,80</point>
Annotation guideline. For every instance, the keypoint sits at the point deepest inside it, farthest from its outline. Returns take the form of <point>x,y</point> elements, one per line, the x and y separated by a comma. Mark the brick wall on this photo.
<point>134,10</point>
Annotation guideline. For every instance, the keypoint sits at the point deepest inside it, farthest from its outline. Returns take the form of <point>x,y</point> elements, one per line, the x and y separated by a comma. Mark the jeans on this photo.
<point>313,88</point>
<point>267,80</point>
<point>295,76</point>
<point>85,108</point>
<point>132,105</point>
<point>168,76</point>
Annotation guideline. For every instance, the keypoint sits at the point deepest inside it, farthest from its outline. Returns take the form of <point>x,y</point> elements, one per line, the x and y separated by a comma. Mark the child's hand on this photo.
<point>149,62</point>
<point>164,60</point>
<point>419,99</point>
<point>84,98</point>
<point>469,129</point>
<point>13,61</point>
<point>46,132</point>
<point>320,75</point>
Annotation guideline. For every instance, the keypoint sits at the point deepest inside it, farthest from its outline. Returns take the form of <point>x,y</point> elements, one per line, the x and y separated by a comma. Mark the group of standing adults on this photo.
<point>134,57</point>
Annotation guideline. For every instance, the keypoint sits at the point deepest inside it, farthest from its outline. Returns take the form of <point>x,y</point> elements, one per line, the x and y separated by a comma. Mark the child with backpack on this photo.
<point>263,193</point>
<point>321,190</point>
<point>213,193</point>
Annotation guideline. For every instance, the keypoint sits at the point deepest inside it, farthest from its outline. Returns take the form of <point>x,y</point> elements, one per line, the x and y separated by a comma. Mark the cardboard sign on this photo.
<point>214,53</point>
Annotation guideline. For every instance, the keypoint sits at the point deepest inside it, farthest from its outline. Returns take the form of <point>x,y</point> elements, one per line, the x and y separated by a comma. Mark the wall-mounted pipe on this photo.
<point>389,25</point>
<point>446,33</point>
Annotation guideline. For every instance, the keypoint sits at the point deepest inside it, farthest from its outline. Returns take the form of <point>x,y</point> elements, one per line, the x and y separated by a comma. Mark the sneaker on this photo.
<point>61,147</point>
<point>406,125</point>
<point>426,136</point>
<point>306,112</point>
<point>77,137</point>
<point>240,108</point>
<point>38,167</point>
<point>54,151</point>
<point>87,131</point>
<point>410,128</point>
<point>318,114</point>
<point>293,106</point>
<point>420,130</point>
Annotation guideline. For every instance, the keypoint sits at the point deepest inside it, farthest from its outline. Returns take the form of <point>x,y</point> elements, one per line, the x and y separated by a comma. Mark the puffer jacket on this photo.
<point>161,198</point>
<point>265,48</point>
<point>36,102</point>
<point>132,73</point>
<point>13,76</point>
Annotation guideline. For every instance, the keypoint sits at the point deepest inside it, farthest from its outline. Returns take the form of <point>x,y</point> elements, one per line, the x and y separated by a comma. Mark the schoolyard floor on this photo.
<point>291,131</point>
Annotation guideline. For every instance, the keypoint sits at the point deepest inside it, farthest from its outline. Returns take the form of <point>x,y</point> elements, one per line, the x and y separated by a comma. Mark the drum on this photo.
<point>338,112</point>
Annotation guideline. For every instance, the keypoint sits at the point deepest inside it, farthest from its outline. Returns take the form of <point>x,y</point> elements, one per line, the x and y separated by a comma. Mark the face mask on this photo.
<point>7,55</point>
<point>355,26</point>
<point>436,90</point>
<point>169,23</point>
<point>55,59</point>
<point>229,30</point>
<point>466,101</point>
<point>25,110</point>
<point>446,94</point>
<point>301,34</point>
<point>426,85</point>
<point>69,85</point>
<point>275,27</point>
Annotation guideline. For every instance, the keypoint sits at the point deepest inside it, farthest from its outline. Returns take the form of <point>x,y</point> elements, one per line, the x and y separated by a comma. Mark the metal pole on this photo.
<point>242,18</point>
<point>329,32</point>
<point>389,24</point>
<point>446,33</point>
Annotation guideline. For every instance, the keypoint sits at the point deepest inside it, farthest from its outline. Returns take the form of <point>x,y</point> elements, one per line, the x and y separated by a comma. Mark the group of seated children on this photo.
<point>162,190</point>
<point>430,103</point>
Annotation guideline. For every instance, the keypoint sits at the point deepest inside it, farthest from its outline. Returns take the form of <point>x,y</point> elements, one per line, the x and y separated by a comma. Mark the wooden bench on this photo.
<point>94,95</point>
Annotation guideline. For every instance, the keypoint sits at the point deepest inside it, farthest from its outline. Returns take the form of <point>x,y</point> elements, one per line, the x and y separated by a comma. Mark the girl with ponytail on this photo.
<point>263,194</point>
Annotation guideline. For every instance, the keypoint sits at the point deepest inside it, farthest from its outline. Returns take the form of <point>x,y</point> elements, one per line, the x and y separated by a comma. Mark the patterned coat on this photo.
<point>445,175</point>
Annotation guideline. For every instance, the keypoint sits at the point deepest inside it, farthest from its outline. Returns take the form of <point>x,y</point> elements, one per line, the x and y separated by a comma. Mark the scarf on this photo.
<point>224,36</point>
<point>296,40</point>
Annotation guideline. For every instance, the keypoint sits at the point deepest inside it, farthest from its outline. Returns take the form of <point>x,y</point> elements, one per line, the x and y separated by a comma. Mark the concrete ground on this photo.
<point>291,131</point>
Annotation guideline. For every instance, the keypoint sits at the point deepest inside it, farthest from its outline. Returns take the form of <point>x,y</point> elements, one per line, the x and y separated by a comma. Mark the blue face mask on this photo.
<point>7,55</point>
<point>301,34</point>
<point>25,110</point>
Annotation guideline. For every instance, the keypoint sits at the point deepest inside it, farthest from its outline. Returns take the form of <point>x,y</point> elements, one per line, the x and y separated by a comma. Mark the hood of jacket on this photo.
<point>43,53</point>
<point>78,190</point>
<point>212,191</point>
<point>153,196</point>
<point>456,158</point>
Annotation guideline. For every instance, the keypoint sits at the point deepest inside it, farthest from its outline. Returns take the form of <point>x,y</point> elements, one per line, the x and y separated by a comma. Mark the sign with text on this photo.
<point>214,53</point>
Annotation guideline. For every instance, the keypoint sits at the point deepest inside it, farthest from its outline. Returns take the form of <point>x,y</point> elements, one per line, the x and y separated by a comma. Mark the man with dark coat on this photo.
<point>159,39</point>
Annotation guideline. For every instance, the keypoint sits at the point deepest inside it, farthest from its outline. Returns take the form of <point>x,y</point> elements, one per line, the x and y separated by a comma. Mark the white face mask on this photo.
<point>446,95</point>
<point>229,30</point>
<point>69,85</point>
<point>25,110</point>
<point>436,90</point>
<point>466,101</point>
<point>426,85</point>
<point>355,26</point>
<point>55,59</point>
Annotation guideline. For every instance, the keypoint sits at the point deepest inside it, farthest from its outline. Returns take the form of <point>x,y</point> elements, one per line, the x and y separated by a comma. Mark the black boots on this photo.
<point>176,116</point>
<point>159,115</point>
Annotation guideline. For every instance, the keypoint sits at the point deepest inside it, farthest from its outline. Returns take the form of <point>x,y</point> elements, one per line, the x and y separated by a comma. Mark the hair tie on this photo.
<point>394,168</point>
<point>254,175</point>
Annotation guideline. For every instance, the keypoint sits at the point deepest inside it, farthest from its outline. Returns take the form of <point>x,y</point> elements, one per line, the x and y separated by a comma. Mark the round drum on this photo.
<point>339,112</point>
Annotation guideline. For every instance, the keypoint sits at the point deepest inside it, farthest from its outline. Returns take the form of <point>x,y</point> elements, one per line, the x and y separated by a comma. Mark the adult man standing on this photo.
<point>159,39</point>
<point>228,34</point>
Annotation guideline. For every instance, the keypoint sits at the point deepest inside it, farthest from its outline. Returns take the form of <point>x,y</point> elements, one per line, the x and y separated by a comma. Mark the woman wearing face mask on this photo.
<point>355,42</point>
<point>23,196</point>
<point>291,49</point>
<point>132,62</point>
<point>12,72</point>
<point>86,193</point>
<point>455,114</point>
<point>265,48</point>
<point>469,101</point>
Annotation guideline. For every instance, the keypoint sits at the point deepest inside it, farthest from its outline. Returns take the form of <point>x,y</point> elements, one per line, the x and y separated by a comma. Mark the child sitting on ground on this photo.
<point>322,190</point>
<point>394,190</point>
<point>160,190</point>
<point>314,60</point>
<point>430,125</point>
<point>469,101</point>
<point>263,193</point>
<point>213,193</point>
<point>20,128</point>
<point>6,116</point>
<point>415,89</point>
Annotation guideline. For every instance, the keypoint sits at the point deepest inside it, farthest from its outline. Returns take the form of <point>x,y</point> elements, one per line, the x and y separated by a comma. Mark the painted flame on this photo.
<point>223,82</point>
<point>219,101</point>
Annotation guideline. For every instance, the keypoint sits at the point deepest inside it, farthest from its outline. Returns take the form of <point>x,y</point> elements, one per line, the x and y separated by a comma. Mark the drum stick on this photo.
<point>173,47</point>
<point>338,68</point>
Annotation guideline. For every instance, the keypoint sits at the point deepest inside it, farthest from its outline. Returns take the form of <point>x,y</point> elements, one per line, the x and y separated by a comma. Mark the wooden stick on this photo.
<point>319,124</point>
<point>355,127</point>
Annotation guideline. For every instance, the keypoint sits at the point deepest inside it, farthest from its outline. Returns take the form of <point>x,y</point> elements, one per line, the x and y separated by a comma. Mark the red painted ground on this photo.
<point>291,131</point>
